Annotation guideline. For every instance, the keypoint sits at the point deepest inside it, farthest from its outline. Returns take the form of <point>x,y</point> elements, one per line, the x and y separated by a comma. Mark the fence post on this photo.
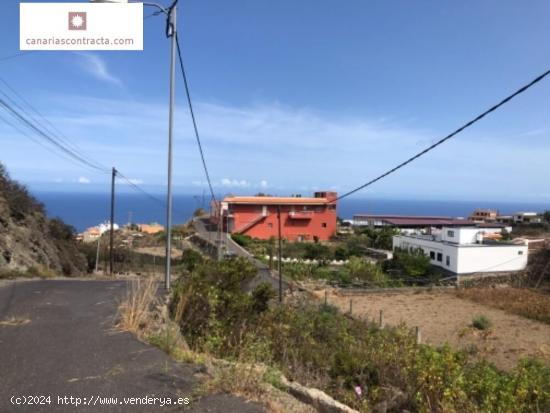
<point>350,306</point>
<point>326,298</point>
<point>381,321</point>
<point>418,335</point>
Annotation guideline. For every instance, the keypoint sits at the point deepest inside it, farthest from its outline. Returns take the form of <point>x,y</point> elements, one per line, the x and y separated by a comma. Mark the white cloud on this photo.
<point>97,67</point>
<point>235,183</point>
<point>291,148</point>
<point>83,180</point>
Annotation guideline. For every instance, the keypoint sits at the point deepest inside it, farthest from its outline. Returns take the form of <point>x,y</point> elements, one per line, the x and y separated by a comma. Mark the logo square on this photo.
<point>77,20</point>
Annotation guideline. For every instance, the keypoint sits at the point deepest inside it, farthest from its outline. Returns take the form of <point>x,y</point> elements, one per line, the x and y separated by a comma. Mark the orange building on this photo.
<point>302,219</point>
<point>150,228</point>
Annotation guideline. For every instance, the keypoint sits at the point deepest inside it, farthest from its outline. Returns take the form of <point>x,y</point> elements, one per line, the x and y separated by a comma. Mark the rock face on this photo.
<point>29,241</point>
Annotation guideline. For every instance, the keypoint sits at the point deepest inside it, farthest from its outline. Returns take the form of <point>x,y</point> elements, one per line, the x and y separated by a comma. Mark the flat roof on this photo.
<point>415,220</point>
<point>275,200</point>
<point>484,244</point>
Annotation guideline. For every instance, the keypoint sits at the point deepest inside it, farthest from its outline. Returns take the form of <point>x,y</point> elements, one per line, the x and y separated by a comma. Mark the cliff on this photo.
<point>30,243</point>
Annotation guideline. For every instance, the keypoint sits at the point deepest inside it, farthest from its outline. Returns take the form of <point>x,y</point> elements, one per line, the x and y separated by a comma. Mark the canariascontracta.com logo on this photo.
<point>81,26</point>
<point>78,20</point>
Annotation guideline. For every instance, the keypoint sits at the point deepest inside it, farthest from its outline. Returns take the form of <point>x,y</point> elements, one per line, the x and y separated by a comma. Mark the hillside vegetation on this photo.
<point>319,346</point>
<point>30,243</point>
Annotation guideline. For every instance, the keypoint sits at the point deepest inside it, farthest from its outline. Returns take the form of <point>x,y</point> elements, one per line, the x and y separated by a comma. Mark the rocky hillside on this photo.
<point>29,241</point>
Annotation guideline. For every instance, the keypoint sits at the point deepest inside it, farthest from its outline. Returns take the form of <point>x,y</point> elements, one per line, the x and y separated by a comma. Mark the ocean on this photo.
<point>83,210</point>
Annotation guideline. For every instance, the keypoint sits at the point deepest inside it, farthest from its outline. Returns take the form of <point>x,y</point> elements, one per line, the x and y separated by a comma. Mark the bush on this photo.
<point>190,259</point>
<point>242,240</point>
<point>481,322</point>
<point>413,263</point>
<point>320,347</point>
<point>363,270</point>
<point>61,231</point>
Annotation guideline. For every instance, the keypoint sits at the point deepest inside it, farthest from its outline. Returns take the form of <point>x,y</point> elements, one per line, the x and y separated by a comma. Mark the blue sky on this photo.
<point>294,96</point>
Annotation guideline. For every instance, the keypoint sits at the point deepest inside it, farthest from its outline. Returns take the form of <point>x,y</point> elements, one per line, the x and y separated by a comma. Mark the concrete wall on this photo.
<point>492,258</point>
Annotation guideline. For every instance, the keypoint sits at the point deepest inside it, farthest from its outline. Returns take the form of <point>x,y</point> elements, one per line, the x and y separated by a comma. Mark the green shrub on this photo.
<point>242,240</point>
<point>413,263</point>
<point>190,259</point>
<point>320,347</point>
<point>481,322</point>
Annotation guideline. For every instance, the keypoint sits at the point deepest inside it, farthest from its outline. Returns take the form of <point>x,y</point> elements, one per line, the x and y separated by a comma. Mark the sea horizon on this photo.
<point>86,209</point>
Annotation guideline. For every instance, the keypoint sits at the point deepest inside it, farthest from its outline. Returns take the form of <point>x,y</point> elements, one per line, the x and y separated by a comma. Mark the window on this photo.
<point>439,256</point>
<point>324,224</point>
<point>448,260</point>
<point>450,234</point>
<point>432,255</point>
<point>520,252</point>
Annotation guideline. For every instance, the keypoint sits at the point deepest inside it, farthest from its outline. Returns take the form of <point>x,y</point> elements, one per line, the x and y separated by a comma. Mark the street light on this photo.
<point>171,32</point>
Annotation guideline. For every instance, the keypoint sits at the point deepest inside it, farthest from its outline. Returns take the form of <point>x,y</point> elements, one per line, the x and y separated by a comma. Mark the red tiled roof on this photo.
<point>428,221</point>
<point>272,200</point>
<point>413,220</point>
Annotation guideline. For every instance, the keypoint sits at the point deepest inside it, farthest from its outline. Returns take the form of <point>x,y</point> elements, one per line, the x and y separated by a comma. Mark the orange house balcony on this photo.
<point>301,215</point>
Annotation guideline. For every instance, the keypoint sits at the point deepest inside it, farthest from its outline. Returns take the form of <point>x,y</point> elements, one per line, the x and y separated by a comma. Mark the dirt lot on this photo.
<point>443,317</point>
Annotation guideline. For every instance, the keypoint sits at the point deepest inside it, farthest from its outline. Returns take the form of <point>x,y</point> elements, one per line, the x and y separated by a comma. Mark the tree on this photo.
<point>505,235</point>
<point>199,212</point>
<point>414,263</point>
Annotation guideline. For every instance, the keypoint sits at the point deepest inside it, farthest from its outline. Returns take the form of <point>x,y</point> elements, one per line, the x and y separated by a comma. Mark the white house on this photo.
<point>527,217</point>
<point>465,251</point>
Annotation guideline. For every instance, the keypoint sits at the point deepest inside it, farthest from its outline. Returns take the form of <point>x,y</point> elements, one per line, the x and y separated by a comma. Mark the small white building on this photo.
<point>527,218</point>
<point>465,251</point>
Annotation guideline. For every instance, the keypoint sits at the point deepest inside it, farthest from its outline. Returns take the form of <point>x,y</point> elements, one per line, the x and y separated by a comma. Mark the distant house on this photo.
<point>94,233</point>
<point>484,215</point>
<point>90,234</point>
<point>527,218</point>
<point>409,223</point>
<point>302,218</point>
<point>153,228</point>
<point>467,250</point>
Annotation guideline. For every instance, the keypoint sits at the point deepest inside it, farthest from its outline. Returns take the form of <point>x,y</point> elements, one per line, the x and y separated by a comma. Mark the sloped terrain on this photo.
<point>30,243</point>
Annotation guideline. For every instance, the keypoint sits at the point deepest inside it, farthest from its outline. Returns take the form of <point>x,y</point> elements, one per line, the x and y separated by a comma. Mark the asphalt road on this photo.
<point>209,233</point>
<point>57,339</point>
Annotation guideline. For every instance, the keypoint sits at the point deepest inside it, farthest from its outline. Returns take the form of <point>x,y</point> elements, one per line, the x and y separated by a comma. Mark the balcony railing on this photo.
<point>301,214</point>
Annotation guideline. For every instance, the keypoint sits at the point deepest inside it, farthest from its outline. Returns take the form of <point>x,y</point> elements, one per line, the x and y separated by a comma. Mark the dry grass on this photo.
<point>135,311</point>
<point>520,301</point>
<point>14,321</point>
<point>138,313</point>
<point>253,382</point>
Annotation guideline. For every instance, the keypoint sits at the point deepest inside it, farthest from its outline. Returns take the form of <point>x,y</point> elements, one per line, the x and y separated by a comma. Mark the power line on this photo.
<point>140,189</point>
<point>13,56</point>
<point>50,128</point>
<point>446,138</point>
<point>22,119</point>
<point>144,192</point>
<point>197,136</point>
<point>37,141</point>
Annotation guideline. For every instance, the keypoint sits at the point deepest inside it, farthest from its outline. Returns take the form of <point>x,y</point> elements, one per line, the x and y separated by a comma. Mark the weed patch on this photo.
<point>321,347</point>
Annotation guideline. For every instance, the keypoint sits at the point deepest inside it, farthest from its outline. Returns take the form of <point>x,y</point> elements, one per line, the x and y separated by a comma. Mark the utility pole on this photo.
<point>112,229</point>
<point>279,262</point>
<point>172,32</point>
<point>97,255</point>
<point>220,224</point>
